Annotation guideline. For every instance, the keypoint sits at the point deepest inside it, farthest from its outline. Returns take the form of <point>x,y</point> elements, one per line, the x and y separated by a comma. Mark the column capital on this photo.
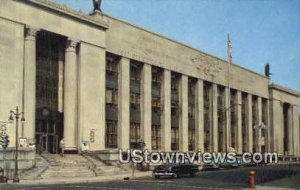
<point>71,45</point>
<point>30,33</point>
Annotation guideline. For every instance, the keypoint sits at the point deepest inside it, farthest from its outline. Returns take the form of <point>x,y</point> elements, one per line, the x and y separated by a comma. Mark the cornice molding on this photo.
<point>47,4</point>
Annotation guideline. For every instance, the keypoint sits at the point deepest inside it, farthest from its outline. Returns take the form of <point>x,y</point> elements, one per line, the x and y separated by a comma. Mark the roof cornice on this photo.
<point>63,9</point>
<point>284,89</point>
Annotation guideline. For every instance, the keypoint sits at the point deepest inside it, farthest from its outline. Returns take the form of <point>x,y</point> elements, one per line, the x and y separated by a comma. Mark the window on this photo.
<point>135,99</point>
<point>174,138</point>
<point>191,139</point>
<point>111,96</point>
<point>111,67</point>
<point>134,135</point>
<point>111,134</point>
<point>135,72</point>
<point>156,137</point>
<point>156,104</point>
<point>191,113</point>
<point>207,111</point>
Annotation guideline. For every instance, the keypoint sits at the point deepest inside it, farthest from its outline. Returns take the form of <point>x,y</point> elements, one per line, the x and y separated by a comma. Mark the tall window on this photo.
<point>233,119</point>
<point>206,99</point>
<point>111,136</point>
<point>174,138</point>
<point>254,120</point>
<point>156,137</point>
<point>191,139</point>
<point>191,114</point>
<point>221,117</point>
<point>156,108</point>
<point>174,111</point>
<point>244,128</point>
<point>135,98</point>
<point>111,99</point>
<point>135,135</point>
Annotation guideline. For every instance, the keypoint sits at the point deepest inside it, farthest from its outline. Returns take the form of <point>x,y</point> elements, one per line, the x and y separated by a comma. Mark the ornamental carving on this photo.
<point>71,45</point>
<point>30,33</point>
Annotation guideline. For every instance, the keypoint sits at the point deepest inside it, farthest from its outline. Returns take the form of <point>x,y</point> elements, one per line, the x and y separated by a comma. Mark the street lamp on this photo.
<point>17,115</point>
<point>257,127</point>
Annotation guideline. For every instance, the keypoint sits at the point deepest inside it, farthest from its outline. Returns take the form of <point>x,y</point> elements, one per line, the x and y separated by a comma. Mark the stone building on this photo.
<point>103,84</point>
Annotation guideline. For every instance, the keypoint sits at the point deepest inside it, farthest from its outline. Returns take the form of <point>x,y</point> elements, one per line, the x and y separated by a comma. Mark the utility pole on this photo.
<point>229,51</point>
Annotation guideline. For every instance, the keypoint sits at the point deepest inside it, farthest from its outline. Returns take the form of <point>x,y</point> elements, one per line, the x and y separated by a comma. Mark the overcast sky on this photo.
<point>261,30</point>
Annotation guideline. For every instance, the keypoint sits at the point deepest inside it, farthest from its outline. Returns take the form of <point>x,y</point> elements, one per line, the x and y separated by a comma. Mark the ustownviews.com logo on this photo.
<point>146,156</point>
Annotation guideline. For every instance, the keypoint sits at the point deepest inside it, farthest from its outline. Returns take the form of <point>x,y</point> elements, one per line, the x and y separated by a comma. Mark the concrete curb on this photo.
<point>78,180</point>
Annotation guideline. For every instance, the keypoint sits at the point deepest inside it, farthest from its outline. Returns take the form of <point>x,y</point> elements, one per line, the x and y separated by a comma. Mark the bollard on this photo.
<point>251,179</point>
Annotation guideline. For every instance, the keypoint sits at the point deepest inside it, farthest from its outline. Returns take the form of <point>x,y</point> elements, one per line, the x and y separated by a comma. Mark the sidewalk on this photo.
<point>78,180</point>
<point>292,182</point>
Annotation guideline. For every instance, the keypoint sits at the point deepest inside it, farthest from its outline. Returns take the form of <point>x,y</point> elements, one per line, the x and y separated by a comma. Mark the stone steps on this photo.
<point>67,166</point>
<point>36,172</point>
<point>100,168</point>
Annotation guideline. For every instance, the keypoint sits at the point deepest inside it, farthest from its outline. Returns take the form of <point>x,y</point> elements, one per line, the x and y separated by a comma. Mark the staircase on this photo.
<point>100,168</point>
<point>67,166</point>
<point>41,165</point>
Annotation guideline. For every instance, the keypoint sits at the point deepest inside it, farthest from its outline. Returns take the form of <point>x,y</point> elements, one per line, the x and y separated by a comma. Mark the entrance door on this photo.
<point>44,142</point>
<point>46,136</point>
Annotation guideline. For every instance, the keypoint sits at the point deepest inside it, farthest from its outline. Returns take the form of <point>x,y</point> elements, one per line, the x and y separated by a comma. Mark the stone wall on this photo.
<point>135,43</point>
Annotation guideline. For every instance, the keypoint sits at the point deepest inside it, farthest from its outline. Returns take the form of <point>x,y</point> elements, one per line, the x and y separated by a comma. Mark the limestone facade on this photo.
<point>110,97</point>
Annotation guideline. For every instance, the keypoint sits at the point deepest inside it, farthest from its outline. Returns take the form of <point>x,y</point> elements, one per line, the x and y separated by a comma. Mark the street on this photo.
<point>214,180</point>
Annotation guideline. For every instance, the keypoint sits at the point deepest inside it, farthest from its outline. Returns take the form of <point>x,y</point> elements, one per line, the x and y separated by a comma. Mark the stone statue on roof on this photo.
<point>97,5</point>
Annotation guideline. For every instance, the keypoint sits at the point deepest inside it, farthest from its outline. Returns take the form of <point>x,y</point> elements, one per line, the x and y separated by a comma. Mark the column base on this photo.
<point>72,150</point>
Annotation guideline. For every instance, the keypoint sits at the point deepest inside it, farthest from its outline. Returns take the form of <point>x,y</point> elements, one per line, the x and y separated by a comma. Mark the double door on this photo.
<point>46,136</point>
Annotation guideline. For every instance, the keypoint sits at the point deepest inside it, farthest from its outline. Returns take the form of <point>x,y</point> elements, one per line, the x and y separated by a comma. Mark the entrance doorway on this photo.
<point>49,115</point>
<point>48,132</point>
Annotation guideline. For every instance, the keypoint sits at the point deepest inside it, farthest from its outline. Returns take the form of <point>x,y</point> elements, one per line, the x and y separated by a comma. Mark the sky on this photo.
<point>261,31</point>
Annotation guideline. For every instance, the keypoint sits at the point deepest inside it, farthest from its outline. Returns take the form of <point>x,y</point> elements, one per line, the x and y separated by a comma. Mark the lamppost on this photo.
<point>17,115</point>
<point>257,127</point>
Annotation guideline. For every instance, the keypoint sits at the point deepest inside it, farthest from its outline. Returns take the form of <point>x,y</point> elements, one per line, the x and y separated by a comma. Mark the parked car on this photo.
<point>210,166</point>
<point>175,170</point>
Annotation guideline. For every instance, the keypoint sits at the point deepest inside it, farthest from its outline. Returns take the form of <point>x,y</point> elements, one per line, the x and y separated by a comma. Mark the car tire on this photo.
<point>174,176</point>
<point>192,174</point>
<point>156,176</point>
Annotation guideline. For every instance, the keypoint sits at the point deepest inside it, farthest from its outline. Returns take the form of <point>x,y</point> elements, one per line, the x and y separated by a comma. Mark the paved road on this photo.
<point>212,180</point>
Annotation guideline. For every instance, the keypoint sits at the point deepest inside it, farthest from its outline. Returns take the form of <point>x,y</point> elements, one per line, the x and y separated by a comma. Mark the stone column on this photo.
<point>276,126</point>
<point>29,82</point>
<point>258,131</point>
<point>268,128</point>
<point>249,123</point>
<point>61,60</point>
<point>146,102</point>
<point>199,119</point>
<point>280,129</point>
<point>124,95</point>
<point>290,130</point>
<point>239,134</point>
<point>70,96</point>
<point>296,130</point>
<point>91,98</point>
<point>166,116</point>
<point>214,131</point>
<point>183,114</point>
<point>228,120</point>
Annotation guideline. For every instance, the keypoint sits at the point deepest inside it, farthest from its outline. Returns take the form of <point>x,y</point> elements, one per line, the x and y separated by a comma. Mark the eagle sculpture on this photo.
<point>97,5</point>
